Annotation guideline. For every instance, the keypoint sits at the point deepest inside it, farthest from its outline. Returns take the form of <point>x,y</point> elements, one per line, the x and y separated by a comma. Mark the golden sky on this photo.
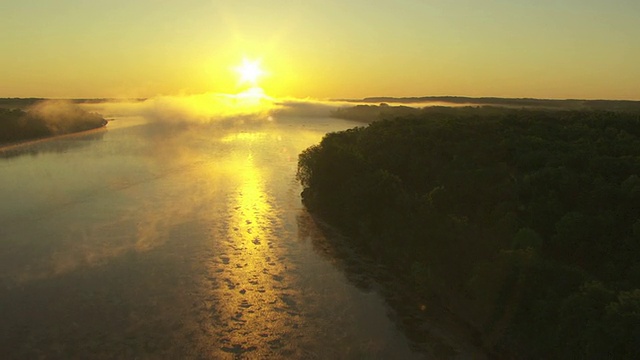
<point>321,48</point>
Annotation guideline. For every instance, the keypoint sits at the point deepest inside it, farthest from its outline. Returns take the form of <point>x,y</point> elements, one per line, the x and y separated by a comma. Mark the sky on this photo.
<point>321,49</point>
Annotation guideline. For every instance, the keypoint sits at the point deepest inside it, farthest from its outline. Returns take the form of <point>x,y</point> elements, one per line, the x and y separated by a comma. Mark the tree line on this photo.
<point>49,119</point>
<point>525,223</point>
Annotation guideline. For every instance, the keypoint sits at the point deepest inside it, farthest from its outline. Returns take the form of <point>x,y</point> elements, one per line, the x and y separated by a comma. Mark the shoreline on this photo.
<point>18,144</point>
<point>425,320</point>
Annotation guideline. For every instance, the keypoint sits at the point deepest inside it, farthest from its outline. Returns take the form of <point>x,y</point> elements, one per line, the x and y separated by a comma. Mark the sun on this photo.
<point>250,71</point>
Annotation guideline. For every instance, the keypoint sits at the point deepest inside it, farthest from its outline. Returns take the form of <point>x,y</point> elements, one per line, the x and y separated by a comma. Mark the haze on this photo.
<point>321,49</point>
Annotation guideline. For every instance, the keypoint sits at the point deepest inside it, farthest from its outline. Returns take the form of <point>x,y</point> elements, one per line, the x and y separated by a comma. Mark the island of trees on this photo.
<point>524,223</point>
<point>44,119</point>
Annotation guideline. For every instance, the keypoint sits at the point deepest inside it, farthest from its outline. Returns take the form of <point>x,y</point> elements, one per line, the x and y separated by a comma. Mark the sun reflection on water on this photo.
<point>243,136</point>
<point>255,312</point>
<point>252,208</point>
<point>189,248</point>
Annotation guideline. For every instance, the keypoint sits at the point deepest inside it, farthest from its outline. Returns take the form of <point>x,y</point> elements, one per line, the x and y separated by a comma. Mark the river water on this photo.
<point>178,240</point>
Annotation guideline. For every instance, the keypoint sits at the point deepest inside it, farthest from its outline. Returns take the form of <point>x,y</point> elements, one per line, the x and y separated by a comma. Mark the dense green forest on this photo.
<point>524,223</point>
<point>43,119</point>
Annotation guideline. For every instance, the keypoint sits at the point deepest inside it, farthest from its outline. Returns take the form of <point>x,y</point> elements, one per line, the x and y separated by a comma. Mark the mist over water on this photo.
<point>251,105</point>
<point>178,232</point>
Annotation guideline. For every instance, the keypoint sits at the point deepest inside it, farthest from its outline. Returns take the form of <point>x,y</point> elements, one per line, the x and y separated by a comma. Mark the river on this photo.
<point>176,240</point>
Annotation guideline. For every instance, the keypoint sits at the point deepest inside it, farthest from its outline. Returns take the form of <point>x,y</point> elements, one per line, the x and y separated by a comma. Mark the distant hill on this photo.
<point>570,104</point>
<point>369,113</point>
<point>18,103</point>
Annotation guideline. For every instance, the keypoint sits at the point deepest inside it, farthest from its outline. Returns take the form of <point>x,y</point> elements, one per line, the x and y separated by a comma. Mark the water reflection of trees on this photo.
<point>328,243</point>
<point>430,328</point>
<point>59,145</point>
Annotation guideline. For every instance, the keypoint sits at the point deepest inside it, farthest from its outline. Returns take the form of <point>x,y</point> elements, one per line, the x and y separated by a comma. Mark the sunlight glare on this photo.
<point>249,71</point>
<point>253,100</point>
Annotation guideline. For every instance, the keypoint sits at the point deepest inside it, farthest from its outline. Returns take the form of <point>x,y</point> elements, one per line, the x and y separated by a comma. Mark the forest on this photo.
<point>523,223</point>
<point>44,119</point>
<point>558,104</point>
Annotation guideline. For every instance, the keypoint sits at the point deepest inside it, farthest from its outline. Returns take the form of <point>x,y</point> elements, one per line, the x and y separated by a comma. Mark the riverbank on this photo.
<point>33,146</point>
<point>520,222</point>
<point>45,119</point>
<point>431,326</point>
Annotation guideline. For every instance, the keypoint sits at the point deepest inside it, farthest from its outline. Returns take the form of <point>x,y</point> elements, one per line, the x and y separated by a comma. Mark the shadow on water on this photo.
<point>430,328</point>
<point>62,144</point>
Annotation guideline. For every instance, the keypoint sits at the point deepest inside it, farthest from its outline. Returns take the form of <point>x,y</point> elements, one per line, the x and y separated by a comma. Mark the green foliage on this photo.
<point>45,119</point>
<point>622,323</point>
<point>527,238</point>
<point>530,216</point>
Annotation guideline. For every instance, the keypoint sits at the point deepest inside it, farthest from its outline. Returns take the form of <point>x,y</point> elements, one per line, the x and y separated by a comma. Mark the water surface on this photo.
<point>179,241</point>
